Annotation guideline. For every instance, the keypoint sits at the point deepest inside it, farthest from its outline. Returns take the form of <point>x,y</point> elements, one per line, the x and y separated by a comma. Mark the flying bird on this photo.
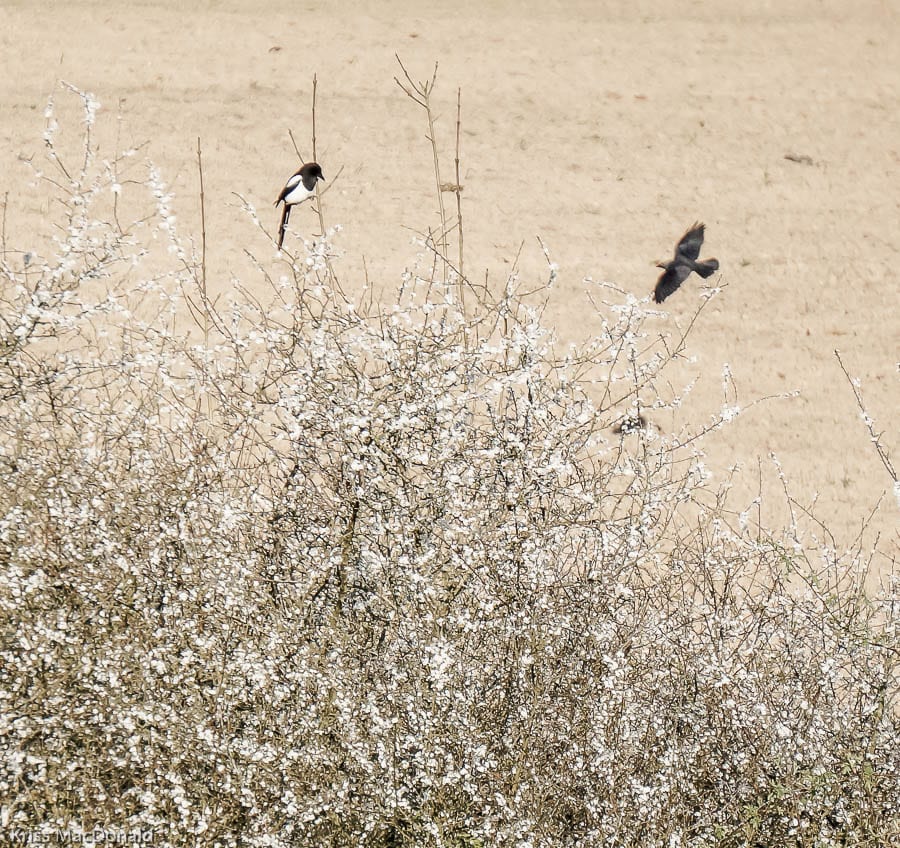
<point>684,262</point>
<point>301,186</point>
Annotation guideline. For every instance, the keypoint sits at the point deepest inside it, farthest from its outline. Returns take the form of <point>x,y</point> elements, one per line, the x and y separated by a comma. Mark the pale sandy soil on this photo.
<point>604,127</point>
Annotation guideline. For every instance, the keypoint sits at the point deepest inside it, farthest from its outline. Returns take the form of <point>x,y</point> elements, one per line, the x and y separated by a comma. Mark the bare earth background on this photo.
<point>604,127</point>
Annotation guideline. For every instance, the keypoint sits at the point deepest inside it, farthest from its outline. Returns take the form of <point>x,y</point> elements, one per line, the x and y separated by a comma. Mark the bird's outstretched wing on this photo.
<point>670,279</point>
<point>690,243</point>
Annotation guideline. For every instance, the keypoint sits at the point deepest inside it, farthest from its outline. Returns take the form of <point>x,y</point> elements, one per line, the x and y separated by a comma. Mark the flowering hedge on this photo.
<point>385,576</point>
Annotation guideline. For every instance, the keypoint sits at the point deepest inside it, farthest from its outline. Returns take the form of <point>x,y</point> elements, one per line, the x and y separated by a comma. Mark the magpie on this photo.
<point>300,186</point>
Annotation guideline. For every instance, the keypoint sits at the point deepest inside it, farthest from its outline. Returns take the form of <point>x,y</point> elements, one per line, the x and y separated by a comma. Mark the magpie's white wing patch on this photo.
<point>297,193</point>
<point>294,191</point>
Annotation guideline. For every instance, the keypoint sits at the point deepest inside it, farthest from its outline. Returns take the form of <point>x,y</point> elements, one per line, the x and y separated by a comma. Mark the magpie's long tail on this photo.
<point>285,216</point>
<point>707,268</point>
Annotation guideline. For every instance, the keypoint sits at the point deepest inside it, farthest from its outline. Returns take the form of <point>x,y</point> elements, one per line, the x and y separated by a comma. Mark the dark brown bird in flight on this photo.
<point>301,186</point>
<point>684,262</point>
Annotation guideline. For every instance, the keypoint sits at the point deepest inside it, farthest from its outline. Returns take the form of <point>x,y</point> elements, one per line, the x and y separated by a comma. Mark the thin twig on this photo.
<point>420,93</point>
<point>296,149</point>
<point>458,191</point>
<point>203,248</point>
<point>115,164</point>
<point>315,86</point>
<point>3,229</point>
<point>202,220</point>
<point>334,279</point>
<point>875,438</point>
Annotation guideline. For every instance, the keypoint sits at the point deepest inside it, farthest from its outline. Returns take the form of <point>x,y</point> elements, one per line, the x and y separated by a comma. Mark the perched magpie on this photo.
<point>685,261</point>
<point>301,186</point>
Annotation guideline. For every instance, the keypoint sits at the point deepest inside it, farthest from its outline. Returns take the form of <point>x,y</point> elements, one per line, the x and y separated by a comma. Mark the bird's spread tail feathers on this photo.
<point>707,268</point>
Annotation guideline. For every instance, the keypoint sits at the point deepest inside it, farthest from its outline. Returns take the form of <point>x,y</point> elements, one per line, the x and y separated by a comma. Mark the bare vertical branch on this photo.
<point>202,220</point>
<point>457,189</point>
<point>315,158</point>
<point>204,294</point>
<point>203,290</point>
<point>3,227</point>
<point>319,209</point>
<point>432,137</point>
<point>315,87</point>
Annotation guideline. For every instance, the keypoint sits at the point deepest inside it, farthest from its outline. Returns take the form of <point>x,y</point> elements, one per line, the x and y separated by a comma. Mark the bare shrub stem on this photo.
<point>420,93</point>
<point>874,438</point>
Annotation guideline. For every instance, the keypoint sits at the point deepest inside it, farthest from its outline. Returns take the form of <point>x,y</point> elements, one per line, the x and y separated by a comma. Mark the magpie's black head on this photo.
<point>312,170</point>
